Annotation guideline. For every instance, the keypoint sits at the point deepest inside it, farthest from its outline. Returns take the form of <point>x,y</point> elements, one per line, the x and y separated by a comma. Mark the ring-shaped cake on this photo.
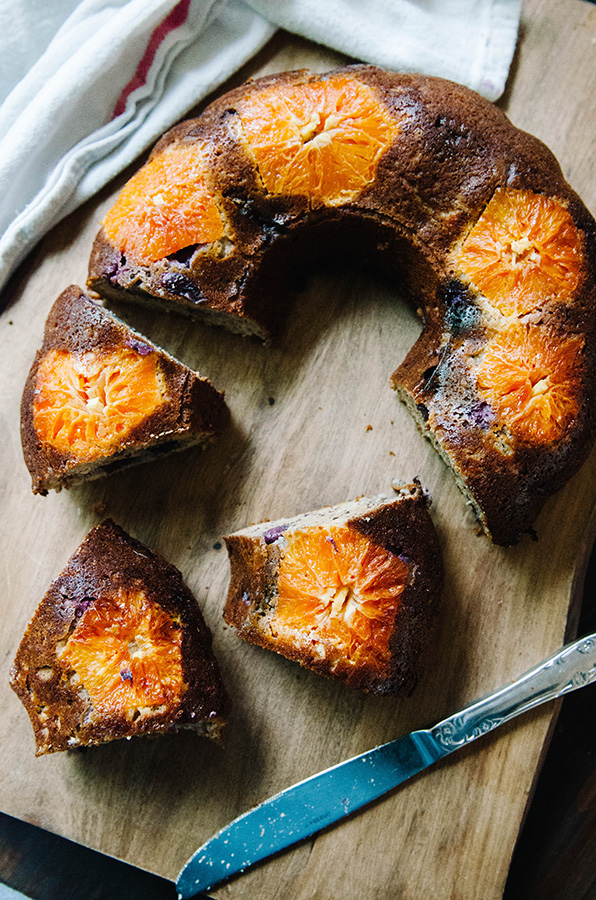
<point>471,215</point>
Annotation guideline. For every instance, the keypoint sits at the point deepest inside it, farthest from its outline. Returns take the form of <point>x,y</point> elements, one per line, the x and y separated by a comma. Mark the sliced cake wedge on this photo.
<point>100,396</point>
<point>349,591</point>
<point>117,648</point>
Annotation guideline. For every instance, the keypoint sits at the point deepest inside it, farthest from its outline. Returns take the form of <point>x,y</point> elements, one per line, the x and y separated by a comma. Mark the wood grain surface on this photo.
<point>314,422</point>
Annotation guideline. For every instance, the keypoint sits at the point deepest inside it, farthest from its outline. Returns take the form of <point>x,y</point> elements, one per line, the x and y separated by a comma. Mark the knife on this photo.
<point>311,805</point>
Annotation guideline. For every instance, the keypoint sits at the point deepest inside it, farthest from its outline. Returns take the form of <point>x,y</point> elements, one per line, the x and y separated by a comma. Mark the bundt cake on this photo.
<point>100,396</point>
<point>117,648</point>
<point>472,215</point>
<point>349,591</point>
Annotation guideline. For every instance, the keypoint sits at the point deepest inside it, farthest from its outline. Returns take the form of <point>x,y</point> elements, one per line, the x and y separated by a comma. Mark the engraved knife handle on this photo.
<point>570,668</point>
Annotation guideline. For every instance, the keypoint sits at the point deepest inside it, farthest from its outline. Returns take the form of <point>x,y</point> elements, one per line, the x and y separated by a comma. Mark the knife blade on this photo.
<point>302,810</point>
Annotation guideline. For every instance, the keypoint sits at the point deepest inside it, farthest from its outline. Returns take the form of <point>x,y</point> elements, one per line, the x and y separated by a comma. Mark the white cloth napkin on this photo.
<point>87,86</point>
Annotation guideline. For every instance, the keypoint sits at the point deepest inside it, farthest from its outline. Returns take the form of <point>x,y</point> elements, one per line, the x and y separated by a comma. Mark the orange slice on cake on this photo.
<point>166,206</point>
<point>523,250</point>
<point>322,139</point>
<point>339,591</point>
<point>528,374</point>
<point>126,653</point>
<point>86,403</point>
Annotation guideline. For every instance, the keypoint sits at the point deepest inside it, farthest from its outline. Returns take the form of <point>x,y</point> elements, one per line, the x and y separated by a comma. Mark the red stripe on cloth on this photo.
<point>175,18</point>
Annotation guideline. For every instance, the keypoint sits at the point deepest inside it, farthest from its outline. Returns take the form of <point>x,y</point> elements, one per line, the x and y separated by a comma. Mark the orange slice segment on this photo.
<point>127,654</point>
<point>166,206</point>
<point>524,249</point>
<point>323,140</point>
<point>86,403</point>
<point>529,375</point>
<point>339,593</point>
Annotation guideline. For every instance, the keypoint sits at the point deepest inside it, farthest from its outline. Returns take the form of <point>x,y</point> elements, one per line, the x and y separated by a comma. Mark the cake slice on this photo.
<point>117,648</point>
<point>100,396</point>
<point>348,591</point>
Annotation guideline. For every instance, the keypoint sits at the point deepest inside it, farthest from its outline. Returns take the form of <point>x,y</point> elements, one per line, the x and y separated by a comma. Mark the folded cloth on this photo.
<point>117,73</point>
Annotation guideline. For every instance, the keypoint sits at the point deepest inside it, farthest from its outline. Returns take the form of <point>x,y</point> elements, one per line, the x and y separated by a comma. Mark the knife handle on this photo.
<point>570,668</point>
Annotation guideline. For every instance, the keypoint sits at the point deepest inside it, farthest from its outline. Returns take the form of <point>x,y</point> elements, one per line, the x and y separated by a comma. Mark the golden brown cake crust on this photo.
<point>193,411</point>
<point>403,527</point>
<point>454,151</point>
<point>109,560</point>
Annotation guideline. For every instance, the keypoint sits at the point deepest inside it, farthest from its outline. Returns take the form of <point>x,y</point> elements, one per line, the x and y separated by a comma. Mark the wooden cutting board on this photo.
<point>314,422</point>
